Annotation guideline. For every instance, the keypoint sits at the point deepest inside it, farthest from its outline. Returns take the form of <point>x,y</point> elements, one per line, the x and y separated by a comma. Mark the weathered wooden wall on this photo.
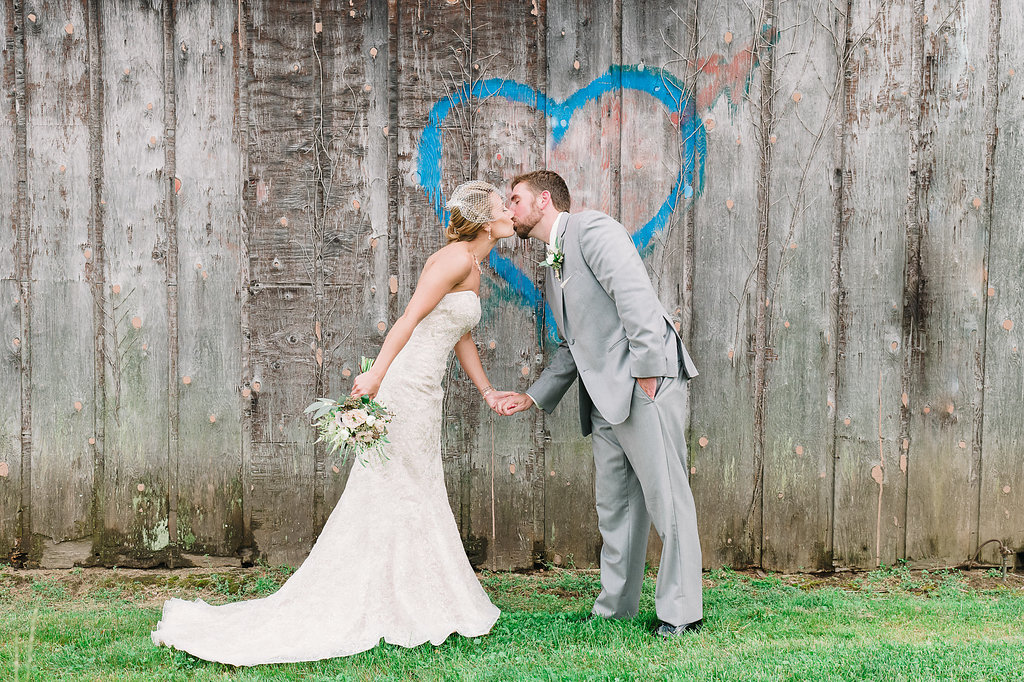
<point>210,210</point>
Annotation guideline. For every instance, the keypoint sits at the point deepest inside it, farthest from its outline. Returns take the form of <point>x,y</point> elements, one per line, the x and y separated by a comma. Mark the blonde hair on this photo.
<point>461,230</point>
<point>470,210</point>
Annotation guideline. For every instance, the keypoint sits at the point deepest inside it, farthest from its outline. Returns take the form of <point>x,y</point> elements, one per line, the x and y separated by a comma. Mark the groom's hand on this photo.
<point>649,385</point>
<point>517,402</point>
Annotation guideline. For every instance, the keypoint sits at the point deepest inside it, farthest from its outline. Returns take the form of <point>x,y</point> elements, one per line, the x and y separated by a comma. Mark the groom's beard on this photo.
<point>524,227</point>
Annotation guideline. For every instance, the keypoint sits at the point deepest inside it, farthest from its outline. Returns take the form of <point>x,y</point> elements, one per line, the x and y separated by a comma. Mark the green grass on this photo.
<point>892,624</point>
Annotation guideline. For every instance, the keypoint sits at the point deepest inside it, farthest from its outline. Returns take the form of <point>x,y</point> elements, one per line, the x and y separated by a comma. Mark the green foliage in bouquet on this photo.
<point>358,425</point>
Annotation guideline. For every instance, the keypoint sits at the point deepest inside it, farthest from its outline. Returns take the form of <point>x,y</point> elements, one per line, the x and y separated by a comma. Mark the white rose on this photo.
<point>370,419</point>
<point>344,435</point>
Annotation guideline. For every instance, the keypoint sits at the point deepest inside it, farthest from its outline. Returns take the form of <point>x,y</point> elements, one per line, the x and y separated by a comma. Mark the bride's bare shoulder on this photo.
<point>454,257</point>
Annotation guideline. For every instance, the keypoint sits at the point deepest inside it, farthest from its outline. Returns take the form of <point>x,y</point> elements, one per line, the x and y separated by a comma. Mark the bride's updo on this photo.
<point>469,210</point>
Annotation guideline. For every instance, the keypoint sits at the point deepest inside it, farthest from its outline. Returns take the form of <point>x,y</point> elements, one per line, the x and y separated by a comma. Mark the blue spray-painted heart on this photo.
<point>659,84</point>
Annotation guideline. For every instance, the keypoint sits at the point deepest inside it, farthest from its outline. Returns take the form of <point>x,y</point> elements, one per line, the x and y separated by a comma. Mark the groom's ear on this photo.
<point>545,199</point>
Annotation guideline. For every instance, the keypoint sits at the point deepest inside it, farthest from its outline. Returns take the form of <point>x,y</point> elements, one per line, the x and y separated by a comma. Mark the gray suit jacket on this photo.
<point>613,327</point>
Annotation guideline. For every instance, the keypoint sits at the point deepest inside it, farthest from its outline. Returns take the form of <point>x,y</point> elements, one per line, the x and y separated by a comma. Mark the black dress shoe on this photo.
<point>666,630</point>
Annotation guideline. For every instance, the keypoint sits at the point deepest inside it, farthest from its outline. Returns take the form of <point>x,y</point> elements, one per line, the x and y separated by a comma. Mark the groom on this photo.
<point>632,366</point>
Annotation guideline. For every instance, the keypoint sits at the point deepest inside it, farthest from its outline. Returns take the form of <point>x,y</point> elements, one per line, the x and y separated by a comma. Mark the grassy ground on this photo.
<point>891,624</point>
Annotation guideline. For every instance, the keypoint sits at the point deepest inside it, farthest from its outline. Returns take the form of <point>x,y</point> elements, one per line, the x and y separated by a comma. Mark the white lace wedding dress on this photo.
<point>388,564</point>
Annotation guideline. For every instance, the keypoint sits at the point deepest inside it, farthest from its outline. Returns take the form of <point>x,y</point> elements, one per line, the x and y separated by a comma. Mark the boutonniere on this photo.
<point>554,260</point>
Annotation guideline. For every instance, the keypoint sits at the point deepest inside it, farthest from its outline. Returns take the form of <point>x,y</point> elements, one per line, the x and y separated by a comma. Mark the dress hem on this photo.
<point>468,631</point>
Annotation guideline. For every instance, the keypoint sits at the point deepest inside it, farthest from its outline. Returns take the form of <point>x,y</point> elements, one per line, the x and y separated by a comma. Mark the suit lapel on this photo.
<point>554,286</point>
<point>554,294</point>
<point>561,232</point>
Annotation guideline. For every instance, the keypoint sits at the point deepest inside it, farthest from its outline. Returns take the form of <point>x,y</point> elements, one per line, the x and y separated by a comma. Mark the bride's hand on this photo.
<point>366,384</point>
<point>517,402</point>
<point>494,399</point>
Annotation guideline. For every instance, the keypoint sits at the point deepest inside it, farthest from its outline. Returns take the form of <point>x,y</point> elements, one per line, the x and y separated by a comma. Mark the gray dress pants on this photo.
<point>640,477</point>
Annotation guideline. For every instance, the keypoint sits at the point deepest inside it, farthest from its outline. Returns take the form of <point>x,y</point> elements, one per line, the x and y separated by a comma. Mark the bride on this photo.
<point>389,562</point>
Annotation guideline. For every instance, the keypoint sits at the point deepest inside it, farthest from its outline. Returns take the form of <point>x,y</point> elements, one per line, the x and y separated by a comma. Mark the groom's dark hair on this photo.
<point>547,181</point>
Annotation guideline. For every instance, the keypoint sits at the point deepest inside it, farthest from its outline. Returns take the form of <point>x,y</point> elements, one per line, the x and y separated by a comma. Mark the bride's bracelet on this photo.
<point>488,389</point>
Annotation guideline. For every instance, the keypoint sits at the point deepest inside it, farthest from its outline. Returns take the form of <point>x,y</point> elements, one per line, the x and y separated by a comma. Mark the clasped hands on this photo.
<point>512,403</point>
<point>508,403</point>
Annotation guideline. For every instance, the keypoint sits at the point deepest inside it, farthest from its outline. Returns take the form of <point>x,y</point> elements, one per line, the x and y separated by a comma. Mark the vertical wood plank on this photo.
<point>134,497</point>
<point>1002,472</point>
<point>506,137</point>
<point>809,92</point>
<point>24,540</point>
<point>351,237</point>
<point>61,337</point>
<point>725,253</point>
<point>584,147</point>
<point>171,189</point>
<point>340,235</point>
<point>870,480</point>
<point>243,79</point>
<point>281,117</point>
<point>766,16</point>
<point>10,309</point>
<point>278,205</point>
<point>871,465</point>
<point>207,153</point>
<point>943,472</point>
<point>97,275</point>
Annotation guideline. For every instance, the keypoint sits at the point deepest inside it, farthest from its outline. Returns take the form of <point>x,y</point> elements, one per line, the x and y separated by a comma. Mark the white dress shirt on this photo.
<point>554,231</point>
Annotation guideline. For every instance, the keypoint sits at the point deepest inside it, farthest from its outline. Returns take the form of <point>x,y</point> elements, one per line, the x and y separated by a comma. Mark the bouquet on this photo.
<point>359,424</point>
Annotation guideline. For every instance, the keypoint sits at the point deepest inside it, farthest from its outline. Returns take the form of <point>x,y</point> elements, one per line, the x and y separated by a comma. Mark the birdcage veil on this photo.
<point>473,199</point>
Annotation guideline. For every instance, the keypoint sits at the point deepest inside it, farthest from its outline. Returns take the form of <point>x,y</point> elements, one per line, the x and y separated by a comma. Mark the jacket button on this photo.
<point>572,341</point>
